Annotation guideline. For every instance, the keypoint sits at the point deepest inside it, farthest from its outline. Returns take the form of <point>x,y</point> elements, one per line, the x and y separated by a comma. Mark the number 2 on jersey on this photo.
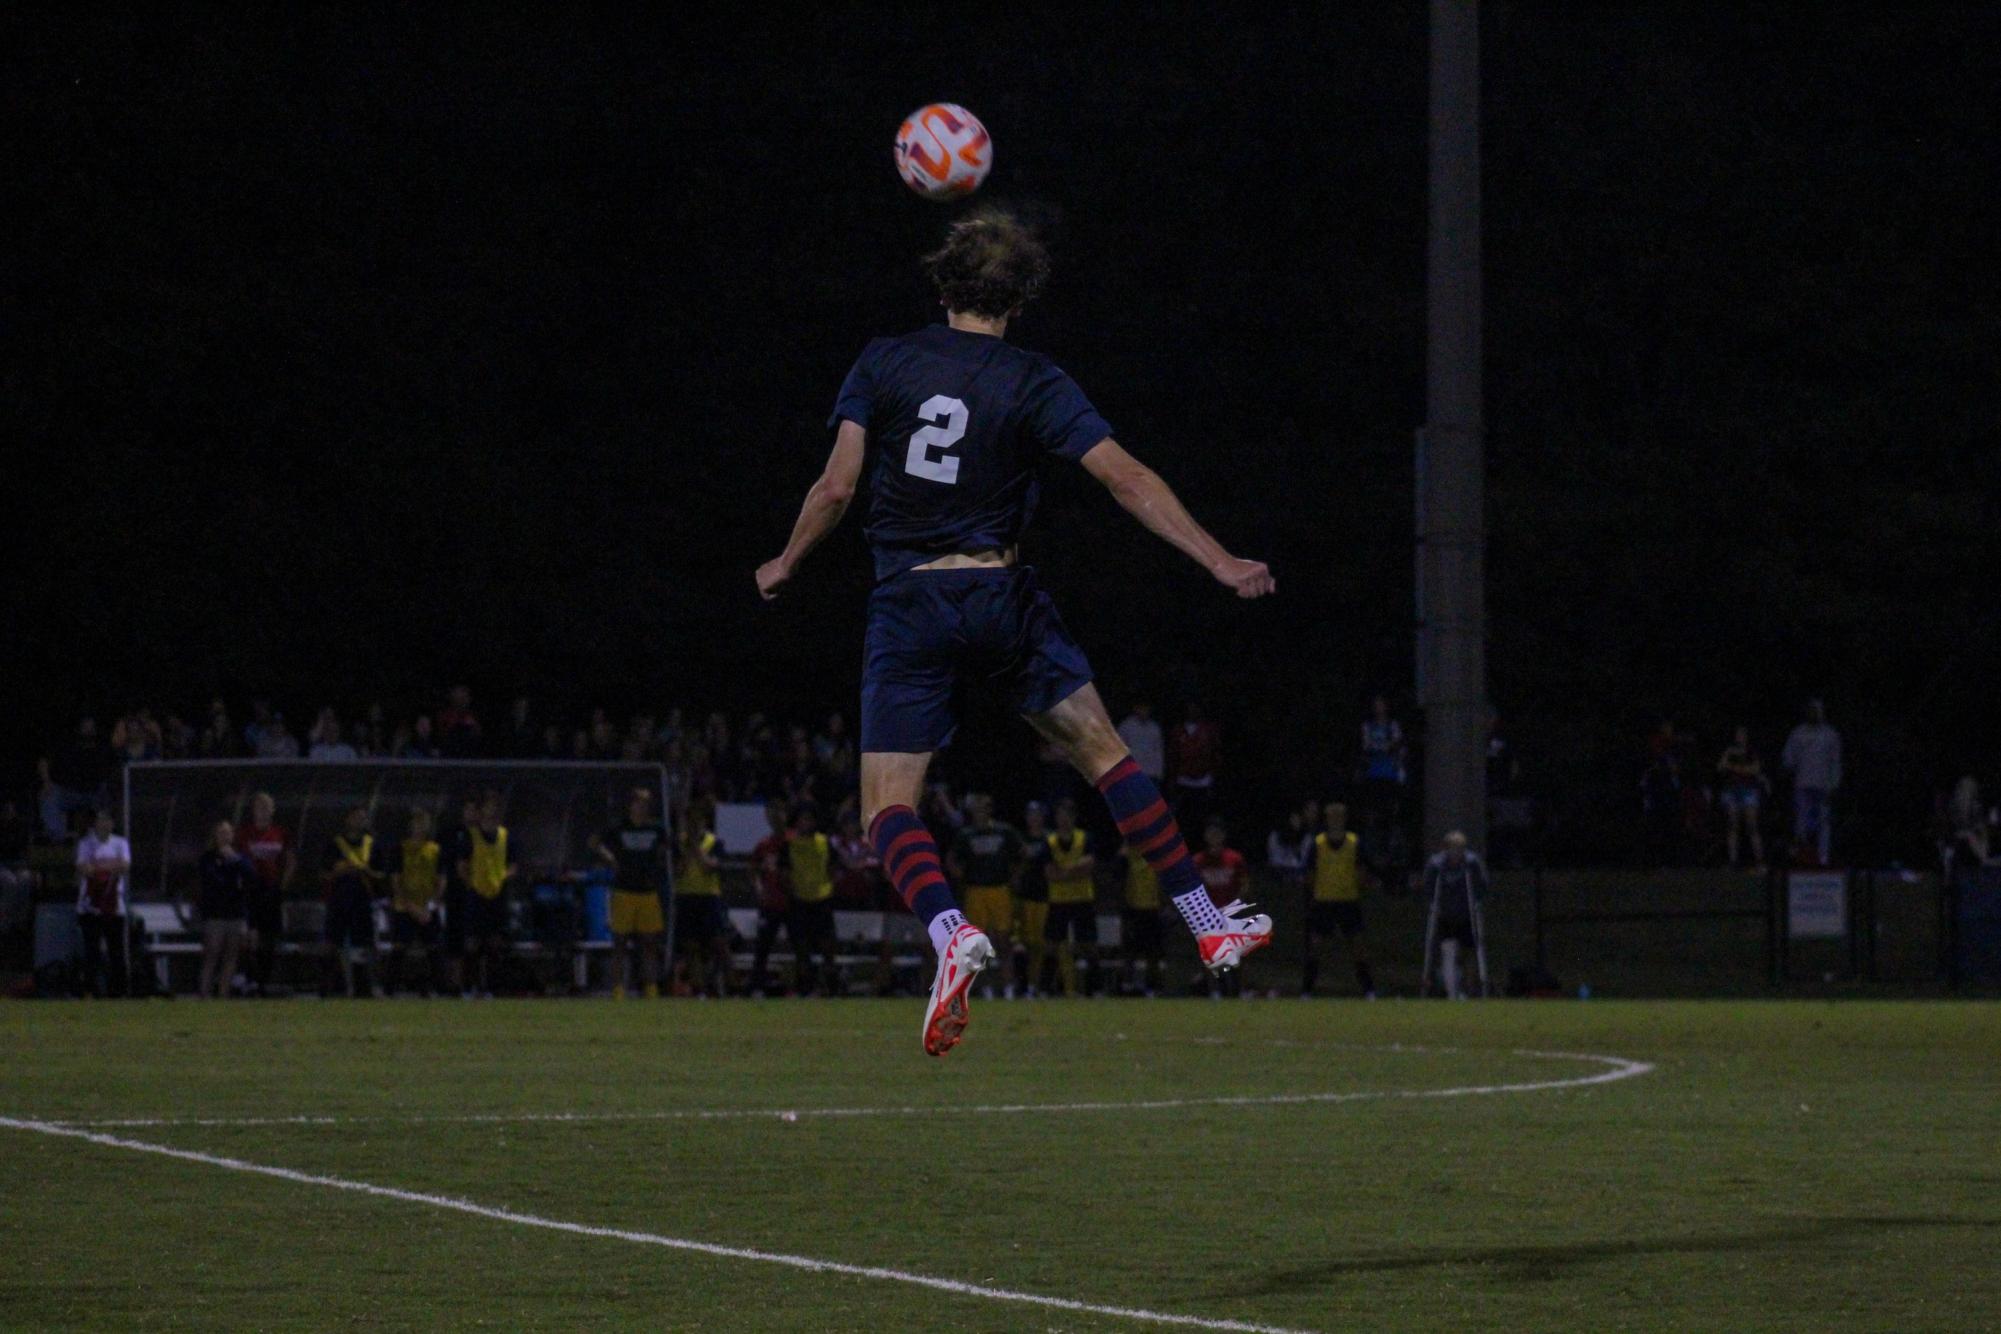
<point>939,436</point>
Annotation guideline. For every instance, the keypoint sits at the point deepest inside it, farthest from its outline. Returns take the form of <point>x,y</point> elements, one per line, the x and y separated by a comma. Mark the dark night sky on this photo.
<point>350,352</point>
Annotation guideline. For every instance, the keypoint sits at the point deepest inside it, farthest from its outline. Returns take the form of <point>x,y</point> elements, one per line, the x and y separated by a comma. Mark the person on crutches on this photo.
<point>1455,879</point>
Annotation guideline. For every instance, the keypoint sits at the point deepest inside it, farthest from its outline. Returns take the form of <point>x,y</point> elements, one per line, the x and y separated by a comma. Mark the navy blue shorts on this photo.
<point>927,629</point>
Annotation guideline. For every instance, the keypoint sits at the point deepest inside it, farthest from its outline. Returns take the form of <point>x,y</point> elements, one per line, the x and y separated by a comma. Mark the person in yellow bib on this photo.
<point>1144,940</point>
<point>982,861</point>
<point>1334,885</point>
<point>1073,906</point>
<point>637,851</point>
<point>810,921</point>
<point>1031,898</point>
<point>701,933</point>
<point>353,873</point>
<point>415,887</point>
<point>488,867</point>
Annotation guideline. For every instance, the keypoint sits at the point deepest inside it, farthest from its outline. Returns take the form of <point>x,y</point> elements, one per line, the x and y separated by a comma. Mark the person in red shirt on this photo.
<point>1228,877</point>
<point>1223,868</point>
<point>273,862</point>
<point>1194,754</point>
<point>859,882</point>
<point>774,893</point>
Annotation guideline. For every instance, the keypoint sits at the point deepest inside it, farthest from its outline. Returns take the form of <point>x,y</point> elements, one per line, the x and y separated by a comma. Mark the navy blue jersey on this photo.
<point>958,425</point>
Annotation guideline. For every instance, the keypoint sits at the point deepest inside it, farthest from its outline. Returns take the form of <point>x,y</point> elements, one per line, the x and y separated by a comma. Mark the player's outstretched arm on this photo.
<point>1150,500</point>
<point>826,501</point>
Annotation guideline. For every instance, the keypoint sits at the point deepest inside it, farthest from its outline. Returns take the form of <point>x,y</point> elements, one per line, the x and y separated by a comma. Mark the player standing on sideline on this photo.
<point>1073,908</point>
<point>486,871</point>
<point>636,850</point>
<point>774,895</point>
<point>353,873</point>
<point>700,925</point>
<point>1031,897</point>
<point>269,848</point>
<point>982,860</point>
<point>415,888</point>
<point>962,422</point>
<point>1455,883</point>
<point>103,866</point>
<point>1334,874</point>
<point>1143,941</point>
<point>224,878</point>
<point>809,856</point>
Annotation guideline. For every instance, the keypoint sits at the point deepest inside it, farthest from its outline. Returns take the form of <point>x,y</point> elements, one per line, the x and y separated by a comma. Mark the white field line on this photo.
<point>804,1262</point>
<point>1616,1068</point>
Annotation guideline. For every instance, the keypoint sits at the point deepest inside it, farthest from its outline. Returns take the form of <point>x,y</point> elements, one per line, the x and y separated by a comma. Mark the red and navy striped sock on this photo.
<point>1149,829</point>
<point>910,860</point>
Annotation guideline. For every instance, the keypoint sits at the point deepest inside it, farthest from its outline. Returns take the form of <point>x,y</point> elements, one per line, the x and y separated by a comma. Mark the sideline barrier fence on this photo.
<point>1889,928</point>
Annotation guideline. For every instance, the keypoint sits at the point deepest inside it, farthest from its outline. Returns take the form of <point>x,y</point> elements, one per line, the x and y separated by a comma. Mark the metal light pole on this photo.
<point>1451,467</point>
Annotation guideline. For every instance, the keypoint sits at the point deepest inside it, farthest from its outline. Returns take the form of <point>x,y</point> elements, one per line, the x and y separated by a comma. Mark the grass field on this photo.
<point>1781,1165</point>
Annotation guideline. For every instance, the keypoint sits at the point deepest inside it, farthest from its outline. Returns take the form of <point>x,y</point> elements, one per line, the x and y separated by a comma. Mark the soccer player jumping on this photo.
<point>961,422</point>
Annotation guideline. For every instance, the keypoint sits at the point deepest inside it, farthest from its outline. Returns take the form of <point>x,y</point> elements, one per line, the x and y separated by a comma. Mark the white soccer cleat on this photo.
<point>966,954</point>
<point>1245,935</point>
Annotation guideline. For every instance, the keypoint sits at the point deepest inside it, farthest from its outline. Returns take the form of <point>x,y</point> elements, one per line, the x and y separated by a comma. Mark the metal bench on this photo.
<point>167,936</point>
<point>858,939</point>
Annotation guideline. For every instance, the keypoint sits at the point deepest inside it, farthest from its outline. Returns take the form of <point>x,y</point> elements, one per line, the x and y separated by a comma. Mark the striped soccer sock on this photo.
<point>1149,829</point>
<point>910,859</point>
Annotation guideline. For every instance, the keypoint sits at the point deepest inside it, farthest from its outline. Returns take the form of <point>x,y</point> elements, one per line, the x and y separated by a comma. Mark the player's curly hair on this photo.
<point>991,264</point>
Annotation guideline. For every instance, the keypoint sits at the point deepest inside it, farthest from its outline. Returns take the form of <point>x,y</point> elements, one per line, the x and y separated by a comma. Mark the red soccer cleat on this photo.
<point>966,954</point>
<point>1243,936</point>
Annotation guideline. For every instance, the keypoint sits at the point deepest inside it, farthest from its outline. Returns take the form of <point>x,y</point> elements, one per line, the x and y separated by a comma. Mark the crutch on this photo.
<point>124,949</point>
<point>1430,937</point>
<point>1479,935</point>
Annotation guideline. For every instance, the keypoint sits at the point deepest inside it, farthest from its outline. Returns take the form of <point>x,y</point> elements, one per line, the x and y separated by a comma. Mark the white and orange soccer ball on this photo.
<point>943,152</point>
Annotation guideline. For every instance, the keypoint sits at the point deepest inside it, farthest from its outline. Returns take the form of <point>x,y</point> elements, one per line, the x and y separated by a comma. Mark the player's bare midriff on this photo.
<point>990,558</point>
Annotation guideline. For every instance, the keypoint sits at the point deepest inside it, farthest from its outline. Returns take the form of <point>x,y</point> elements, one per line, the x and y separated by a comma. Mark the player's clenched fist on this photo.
<point>1246,578</point>
<point>772,576</point>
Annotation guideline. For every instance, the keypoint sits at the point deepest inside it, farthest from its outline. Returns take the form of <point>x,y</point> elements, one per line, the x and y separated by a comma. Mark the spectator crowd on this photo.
<point>1035,881</point>
<point>1692,812</point>
<point>1033,875</point>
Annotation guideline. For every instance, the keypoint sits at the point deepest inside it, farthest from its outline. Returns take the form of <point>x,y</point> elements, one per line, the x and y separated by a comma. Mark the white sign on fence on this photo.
<point>1817,905</point>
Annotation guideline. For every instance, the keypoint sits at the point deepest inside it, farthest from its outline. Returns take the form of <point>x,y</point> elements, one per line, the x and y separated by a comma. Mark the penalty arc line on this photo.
<point>802,1262</point>
<point>1618,1067</point>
